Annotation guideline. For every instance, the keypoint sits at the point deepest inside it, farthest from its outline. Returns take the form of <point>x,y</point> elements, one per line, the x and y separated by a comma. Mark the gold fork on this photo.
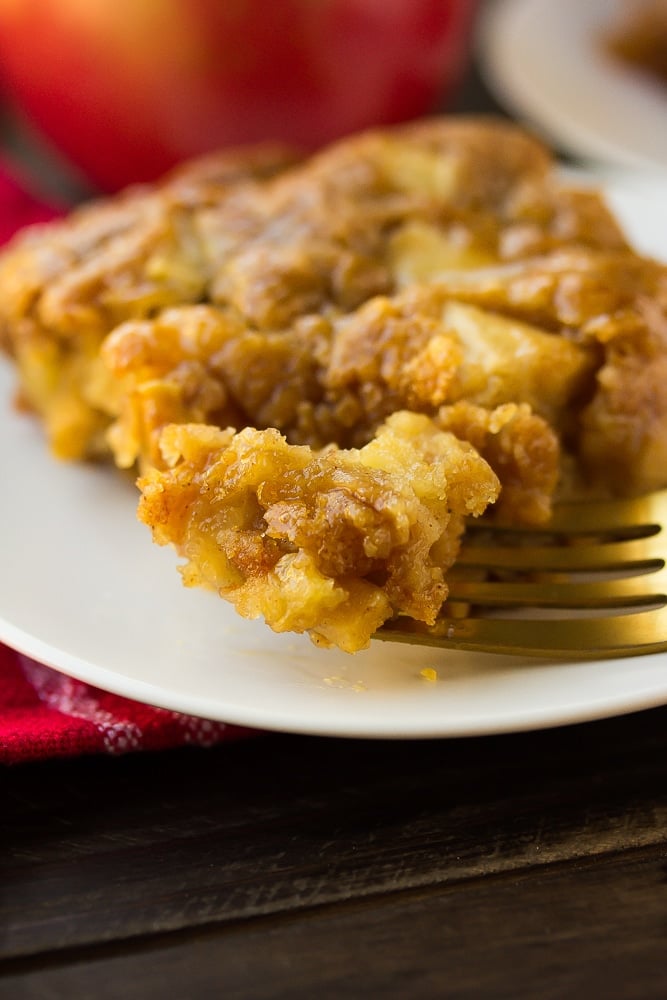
<point>591,584</point>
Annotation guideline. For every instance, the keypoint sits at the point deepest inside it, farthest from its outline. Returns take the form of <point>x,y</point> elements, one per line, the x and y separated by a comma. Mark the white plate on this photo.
<point>84,590</point>
<point>544,60</point>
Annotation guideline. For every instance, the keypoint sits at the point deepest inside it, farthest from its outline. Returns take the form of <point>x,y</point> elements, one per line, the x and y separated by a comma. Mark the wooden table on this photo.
<point>530,865</point>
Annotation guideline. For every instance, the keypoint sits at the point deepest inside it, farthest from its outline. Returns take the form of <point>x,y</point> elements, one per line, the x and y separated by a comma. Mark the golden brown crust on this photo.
<point>338,379</point>
<point>66,285</point>
<point>521,448</point>
<point>274,242</point>
<point>424,348</point>
<point>623,439</point>
<point>290,259</point>
<point>613,306</point>
<point>322,236</point>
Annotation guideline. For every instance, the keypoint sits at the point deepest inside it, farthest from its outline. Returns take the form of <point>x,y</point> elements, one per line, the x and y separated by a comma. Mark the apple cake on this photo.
<point>320,367</point>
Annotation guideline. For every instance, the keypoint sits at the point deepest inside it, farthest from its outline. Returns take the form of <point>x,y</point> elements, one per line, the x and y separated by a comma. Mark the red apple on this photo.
<point>127,88</point>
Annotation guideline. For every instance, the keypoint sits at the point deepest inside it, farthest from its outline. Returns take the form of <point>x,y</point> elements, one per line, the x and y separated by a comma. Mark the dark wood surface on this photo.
<point>530,865</point>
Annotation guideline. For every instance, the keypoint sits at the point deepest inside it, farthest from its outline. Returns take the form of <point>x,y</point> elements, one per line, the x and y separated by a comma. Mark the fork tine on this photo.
<point>626,635</point>
<point>587,543</point>
<point>636,552</point>
<point>647,588</point>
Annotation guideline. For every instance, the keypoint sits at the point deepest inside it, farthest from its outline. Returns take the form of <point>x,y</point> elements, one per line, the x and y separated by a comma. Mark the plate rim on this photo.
<point>495,40</point>
<point>147,693</point>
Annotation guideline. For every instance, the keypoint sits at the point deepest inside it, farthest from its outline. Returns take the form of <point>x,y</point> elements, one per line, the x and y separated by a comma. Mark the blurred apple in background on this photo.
<point>127,88</point>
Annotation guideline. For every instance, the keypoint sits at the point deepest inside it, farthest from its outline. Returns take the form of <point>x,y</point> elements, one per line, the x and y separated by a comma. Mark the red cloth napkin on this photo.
<point>44,713</point>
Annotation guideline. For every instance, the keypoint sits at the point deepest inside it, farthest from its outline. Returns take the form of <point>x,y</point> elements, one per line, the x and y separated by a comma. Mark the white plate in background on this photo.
<point>545,60</point>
